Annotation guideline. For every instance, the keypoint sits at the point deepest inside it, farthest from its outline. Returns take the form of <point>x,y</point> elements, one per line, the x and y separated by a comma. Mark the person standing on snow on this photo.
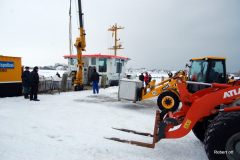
<point>141,78</point>
<point>95,80</point>
<point>26,82</point>
<point>58,75</point>
<point>169,74</point>
<point>150,77</point>
<point>146,79</point>
<point>34,79</point>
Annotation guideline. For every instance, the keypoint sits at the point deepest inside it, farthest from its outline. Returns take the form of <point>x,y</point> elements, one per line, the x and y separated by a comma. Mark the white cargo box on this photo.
<point>128,89</point>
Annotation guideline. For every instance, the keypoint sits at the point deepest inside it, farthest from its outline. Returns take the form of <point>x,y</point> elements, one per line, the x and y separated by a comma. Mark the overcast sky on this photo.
<point>158,34</point>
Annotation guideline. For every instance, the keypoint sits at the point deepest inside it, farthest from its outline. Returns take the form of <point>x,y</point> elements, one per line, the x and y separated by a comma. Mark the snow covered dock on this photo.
<point>71,125</point>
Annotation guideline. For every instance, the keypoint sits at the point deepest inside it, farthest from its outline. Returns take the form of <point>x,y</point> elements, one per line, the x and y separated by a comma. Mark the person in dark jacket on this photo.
<point>95,80</point>
<point>34,80</point>
<point>150,77</point>
<point>58,75</point>
<point>26,82</point>
<point>169,74</point>
<point>141,78</point>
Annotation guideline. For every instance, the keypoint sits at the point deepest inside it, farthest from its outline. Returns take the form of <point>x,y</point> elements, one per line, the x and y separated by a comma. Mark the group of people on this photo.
<point>147,78</point>
<point>31,80</point>
<point>30,83</point>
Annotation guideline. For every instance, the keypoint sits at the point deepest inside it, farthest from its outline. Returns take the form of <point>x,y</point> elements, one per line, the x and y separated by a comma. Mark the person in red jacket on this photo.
<point>146,79</point>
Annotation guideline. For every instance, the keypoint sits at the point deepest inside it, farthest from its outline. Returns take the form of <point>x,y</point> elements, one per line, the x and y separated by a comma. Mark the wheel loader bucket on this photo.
<point>148,145</point>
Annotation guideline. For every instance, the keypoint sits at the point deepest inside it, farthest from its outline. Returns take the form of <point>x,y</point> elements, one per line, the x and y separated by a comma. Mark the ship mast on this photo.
<point>114,30</point>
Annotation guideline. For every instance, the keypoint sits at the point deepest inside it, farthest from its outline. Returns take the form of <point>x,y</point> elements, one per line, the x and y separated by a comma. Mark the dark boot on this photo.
<point>26,95</point>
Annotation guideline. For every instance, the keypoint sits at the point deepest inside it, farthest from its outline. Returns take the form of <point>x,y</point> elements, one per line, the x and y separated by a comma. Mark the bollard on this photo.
<point>64,83</point>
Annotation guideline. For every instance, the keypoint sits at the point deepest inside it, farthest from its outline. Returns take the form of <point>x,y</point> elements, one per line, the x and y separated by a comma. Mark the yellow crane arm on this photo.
<point>80,45</point>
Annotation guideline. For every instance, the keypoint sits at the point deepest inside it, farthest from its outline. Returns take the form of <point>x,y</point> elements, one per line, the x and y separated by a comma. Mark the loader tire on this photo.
<point>168,100</point>
<point>200,128</point>
<point>199,131</point>
<point>222,138</point>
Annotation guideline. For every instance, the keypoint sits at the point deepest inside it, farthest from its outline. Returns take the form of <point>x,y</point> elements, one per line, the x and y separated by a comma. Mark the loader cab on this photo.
<point>206,70</point>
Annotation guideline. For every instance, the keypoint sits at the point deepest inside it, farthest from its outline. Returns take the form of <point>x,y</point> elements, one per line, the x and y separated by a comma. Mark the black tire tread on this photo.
<point>216,130</point>
<point>198,131</point>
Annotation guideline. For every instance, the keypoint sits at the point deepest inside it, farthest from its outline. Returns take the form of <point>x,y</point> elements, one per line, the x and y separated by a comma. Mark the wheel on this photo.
<point>168,100</point>
<point>222,138</point>
<point>200,128</point>
<point>78,87</point>
<point>199,131</point>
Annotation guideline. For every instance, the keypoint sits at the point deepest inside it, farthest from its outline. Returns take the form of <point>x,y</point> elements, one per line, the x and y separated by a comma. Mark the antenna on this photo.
<point>114,31</point>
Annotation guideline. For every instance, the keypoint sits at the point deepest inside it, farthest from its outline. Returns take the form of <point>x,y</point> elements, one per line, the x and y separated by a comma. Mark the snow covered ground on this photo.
<point>71,125</point>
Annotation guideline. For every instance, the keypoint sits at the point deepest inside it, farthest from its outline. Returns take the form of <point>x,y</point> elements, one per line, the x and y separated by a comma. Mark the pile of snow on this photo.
<point>60,68</point>
<point>56,78</point>
<point>50,73</point>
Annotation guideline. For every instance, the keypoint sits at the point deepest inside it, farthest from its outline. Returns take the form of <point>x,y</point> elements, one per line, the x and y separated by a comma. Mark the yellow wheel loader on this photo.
<point>205,70</point>
<point>167,91</point>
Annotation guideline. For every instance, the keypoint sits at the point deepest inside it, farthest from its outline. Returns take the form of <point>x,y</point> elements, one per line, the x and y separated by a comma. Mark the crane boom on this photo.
<point>80,13</point>
<point>80,45</point>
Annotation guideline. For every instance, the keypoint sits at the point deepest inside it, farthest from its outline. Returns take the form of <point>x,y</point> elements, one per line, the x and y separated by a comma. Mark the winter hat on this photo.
<point>35,68</point>
<point>26,67</point>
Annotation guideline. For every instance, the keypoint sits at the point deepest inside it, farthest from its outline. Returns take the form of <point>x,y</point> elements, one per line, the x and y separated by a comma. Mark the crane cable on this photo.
<point>70,31</point>
<point>77,12</point>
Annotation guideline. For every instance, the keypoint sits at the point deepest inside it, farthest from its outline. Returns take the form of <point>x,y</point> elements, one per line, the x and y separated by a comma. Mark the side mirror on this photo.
<point>187,65</point>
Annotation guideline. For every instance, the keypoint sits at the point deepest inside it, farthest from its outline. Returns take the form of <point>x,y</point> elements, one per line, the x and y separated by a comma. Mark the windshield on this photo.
<point>198,71</point>
<point>216,72</point>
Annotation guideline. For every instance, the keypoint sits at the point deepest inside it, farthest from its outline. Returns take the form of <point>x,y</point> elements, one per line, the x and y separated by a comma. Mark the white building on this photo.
<point>110,68</point>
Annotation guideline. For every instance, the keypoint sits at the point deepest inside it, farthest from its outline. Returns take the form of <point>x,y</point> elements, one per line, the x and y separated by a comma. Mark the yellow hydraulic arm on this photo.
<point>167,91</point>
<point>168,84</point>
<point>80,45</point>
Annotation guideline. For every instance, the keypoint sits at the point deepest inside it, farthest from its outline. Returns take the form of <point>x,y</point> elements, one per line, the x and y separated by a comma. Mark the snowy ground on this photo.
<point>71,125</point>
